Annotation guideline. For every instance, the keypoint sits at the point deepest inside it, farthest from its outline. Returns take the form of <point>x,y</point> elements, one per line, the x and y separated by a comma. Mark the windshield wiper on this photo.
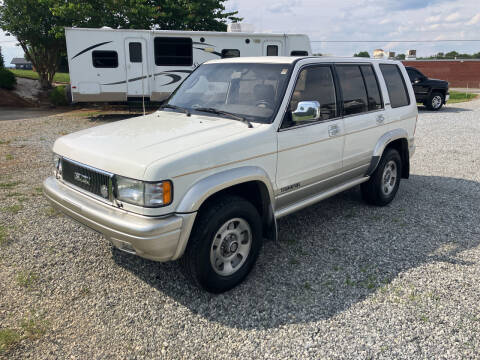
<point>175,107</point>
<point>226,113</point>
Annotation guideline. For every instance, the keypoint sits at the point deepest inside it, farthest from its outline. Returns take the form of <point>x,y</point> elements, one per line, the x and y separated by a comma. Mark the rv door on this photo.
<point>272,48</point>
<point>137,69</point>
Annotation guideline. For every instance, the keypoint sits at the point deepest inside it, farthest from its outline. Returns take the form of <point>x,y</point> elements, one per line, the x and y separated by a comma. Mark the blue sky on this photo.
<point>356,20</point>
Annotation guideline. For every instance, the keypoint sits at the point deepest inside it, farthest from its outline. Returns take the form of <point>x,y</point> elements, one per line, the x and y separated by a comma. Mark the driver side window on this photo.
<point>313,84</point>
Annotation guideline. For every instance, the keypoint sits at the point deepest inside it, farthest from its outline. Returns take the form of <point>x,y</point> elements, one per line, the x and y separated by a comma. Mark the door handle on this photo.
<point>333,130</point>
<point>380,119</point>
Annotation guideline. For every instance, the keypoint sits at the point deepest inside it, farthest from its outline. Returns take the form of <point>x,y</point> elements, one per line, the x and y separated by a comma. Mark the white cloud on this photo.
<point>474,20</point>
<point>387,20</point>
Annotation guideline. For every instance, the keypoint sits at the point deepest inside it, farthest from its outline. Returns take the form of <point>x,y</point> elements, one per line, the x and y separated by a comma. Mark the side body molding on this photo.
<point>382,143</point>
<point>204,188</point>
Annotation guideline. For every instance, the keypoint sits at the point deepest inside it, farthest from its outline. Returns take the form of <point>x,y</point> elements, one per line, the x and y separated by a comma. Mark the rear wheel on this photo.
<point>435,101</point>
<point>383,185</point>
<point>224,244</point>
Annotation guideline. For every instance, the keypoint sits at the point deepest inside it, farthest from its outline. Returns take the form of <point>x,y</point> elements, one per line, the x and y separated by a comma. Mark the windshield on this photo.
<point>252,91</point>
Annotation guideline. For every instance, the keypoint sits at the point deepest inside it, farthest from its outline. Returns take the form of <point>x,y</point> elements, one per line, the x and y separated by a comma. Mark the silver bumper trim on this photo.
<point>155,238</point>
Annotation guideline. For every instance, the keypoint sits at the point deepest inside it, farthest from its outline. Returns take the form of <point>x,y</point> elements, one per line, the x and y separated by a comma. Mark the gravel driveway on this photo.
<point>346,281</point>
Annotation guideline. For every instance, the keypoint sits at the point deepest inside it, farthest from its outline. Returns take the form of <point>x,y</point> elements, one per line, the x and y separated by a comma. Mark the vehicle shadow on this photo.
<point>451,109</point>
<point>334,254</point>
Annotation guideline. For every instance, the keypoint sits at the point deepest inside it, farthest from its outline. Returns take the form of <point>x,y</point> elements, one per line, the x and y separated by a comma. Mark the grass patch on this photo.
<point>51,212</point>
<point>3,235</point>
<point>14,209</point>
<point>458,97</point>
<point>26,279</point>
<point>30,74</point>
<point>8,338</point>
<point>9,157</point>
<point>34,328</point>
<point>9,185</point>
<point>5,142</point>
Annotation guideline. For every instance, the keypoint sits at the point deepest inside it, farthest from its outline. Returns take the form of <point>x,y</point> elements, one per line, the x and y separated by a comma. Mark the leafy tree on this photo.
<point>36,29</point>
<point>39,24</point>
<point>2,61</point>
<point>364,54</point>
<point>400,57</point>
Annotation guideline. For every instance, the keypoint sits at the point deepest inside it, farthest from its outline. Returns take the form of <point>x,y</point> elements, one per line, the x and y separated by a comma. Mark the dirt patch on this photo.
<point>11,99</point>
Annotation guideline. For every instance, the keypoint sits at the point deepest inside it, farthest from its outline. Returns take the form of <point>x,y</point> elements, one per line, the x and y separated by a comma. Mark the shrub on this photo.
<point>58,96</point>
<point>7,79</point>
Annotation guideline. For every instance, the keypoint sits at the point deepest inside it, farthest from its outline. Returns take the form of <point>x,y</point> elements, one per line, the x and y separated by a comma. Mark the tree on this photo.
<point>39,24</point>
<point>36,29</point>
<point>400,57</point>
<point>364,54</point>
<point>2,61</point>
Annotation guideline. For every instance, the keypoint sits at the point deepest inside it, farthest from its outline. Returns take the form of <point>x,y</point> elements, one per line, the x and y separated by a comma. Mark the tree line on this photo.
<point>447,56</point>
<point>39,25</point>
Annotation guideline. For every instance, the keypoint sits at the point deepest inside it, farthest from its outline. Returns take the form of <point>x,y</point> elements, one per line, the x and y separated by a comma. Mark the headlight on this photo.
<point>57,165</point>
<point>148,194</point>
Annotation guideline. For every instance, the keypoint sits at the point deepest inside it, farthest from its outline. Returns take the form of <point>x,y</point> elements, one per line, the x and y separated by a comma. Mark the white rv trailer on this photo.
<point>120,65</point>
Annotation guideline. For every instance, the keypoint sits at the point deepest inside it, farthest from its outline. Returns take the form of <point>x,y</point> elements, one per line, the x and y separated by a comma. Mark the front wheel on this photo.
<point>224,245</point>
<point>435,101</point>
<point>383,185</point>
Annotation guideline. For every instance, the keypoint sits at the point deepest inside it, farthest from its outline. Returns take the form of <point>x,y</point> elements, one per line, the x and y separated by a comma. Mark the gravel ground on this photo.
<point>346,280</point>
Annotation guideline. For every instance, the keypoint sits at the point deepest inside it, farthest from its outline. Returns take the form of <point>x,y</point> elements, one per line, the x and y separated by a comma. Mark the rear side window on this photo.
<point>298,53</point>
<point>104,59</point>
<point>173,51</point>
<point>397,90</point>
<point>272,50</point>
<point>353,89</point>
<point>230,53</point>
<point>135,50</point>
<point>373,90</point>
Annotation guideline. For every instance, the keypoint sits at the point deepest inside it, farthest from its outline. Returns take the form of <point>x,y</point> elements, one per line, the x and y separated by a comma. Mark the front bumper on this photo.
<point>155,238</point>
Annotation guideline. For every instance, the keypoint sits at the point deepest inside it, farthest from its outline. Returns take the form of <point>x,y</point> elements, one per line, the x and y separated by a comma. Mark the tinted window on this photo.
<point>299,53</point>
<point>414,74</point>
<point>173,51</point>
<point>353,89</point>
<point>135,50</point>
<point>314,84</point>
<point>105,59</point>
<point>373,90</point>
<point>230,53</point>
<point>272,50</point>
<point>397,90</point>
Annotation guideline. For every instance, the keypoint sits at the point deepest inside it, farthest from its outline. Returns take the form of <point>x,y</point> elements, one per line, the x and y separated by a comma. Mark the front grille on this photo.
<point>86,178</point>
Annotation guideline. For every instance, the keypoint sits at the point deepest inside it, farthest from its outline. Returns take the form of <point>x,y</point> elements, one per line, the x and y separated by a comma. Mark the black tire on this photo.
<point>373,190</point>
<point>196,260</point>
<point>435,101</point>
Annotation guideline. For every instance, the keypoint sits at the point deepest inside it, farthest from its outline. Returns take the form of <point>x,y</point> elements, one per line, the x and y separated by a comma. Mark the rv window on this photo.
<point>230,53</point>
<point>105,59</point>
<point>135,50</point>
<point>173,51</point>
<point>272,50</point>
<point>299,53</point>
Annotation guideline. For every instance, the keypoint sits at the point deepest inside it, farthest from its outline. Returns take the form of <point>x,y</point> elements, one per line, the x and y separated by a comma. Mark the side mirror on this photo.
<point>306,111</point>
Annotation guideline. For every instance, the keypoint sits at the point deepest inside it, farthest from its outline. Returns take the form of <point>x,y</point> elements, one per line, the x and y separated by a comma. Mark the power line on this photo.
<point>388,41</point>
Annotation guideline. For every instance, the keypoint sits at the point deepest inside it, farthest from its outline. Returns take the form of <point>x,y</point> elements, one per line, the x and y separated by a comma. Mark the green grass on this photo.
<point>14,209</point>
<point>3,235</point>
<point>457,97</point>
<point>26,279</point>
<point>9,157</point>
<point>30,74</point>
<point>9,185</point>
<point>8,338</point>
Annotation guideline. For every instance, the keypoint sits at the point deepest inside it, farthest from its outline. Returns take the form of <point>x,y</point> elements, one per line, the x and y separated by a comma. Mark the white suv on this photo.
<point>241,143</point>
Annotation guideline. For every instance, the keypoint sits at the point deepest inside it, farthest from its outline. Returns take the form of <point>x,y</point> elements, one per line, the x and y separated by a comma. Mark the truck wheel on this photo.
<point>224,245</point>
<point>383,184</point>
<point>435,101</point>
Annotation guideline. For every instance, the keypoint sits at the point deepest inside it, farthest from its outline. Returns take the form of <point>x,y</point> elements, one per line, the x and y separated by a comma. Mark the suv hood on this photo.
<point>127,147</point>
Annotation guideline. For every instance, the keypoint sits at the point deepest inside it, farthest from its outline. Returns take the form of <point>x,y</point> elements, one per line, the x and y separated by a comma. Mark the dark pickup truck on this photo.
<point>432,93</point>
